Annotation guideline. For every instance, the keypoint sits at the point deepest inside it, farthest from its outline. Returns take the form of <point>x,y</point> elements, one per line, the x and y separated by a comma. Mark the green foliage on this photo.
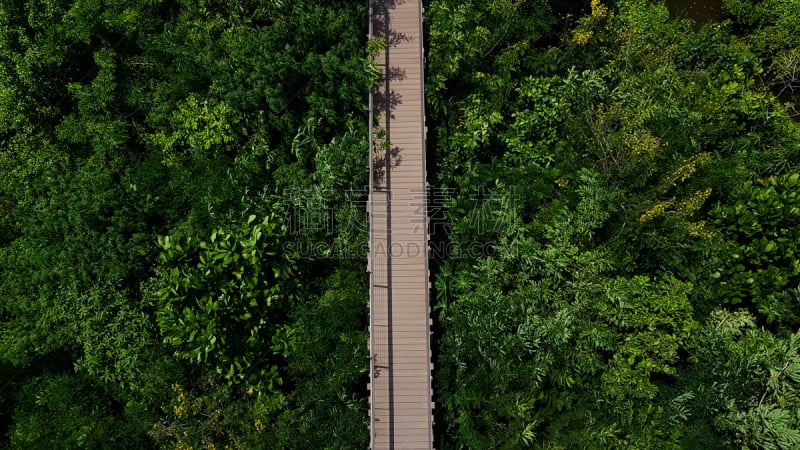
<point>771,29</point>
<point>769,24</point>
<point>374,47</point>
<point>593,319</point>
<point>63,411</point>
<point>123,122</point>
<point>542,110</point>
<point>328,369</point>
<point>480,45</point>
<point>221,302</point>
<point>199,128</point>
<point>763,227</point>
<point>516,313</point>
<point>746,382</point>
<point>656,321</point>
<point>207,413</point>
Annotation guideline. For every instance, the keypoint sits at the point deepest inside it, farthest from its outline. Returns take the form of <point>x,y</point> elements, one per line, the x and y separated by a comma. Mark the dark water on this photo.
<point>699,11</point>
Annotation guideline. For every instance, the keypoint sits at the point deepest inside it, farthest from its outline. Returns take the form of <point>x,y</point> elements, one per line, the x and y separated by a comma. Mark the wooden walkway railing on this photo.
<point>400,369</point>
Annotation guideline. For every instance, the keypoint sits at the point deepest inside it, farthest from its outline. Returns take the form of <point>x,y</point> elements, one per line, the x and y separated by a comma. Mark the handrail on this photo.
<point>371,262</point>
<point>427,221</point>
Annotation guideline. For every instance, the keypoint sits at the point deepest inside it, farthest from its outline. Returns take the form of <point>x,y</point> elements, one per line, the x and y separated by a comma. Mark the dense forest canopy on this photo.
<point>182,224</point>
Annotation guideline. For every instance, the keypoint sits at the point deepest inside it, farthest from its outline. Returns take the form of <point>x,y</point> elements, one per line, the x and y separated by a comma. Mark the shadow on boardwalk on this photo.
<point>384,99</point>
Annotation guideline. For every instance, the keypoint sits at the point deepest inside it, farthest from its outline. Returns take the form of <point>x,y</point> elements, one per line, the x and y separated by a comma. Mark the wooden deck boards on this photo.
<point>400,378</point>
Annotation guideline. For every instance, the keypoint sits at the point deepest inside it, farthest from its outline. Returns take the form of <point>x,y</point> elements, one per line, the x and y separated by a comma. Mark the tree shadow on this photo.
<point>383,162</point>
<point>393,74</point>
<point>380,22</point>
<point>384,102</point>
<point>384,98</point>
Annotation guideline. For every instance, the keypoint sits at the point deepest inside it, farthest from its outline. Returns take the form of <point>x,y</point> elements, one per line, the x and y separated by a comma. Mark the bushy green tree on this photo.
<point>761,268</point>
<point>223,302</point>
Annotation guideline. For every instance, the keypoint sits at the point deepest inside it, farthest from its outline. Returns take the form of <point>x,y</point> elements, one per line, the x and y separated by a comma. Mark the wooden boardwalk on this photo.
<point>400,372</point>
